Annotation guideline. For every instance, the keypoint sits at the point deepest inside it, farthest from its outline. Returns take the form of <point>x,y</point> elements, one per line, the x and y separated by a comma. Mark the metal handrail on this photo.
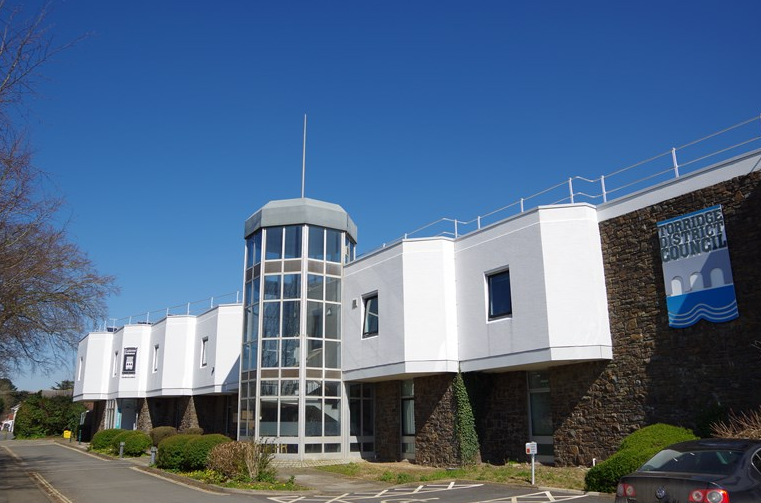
<point>677,168</point>
<point>188,308</point>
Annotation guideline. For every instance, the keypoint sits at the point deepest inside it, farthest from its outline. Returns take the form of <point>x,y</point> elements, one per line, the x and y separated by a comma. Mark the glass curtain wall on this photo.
<point>291,388</point>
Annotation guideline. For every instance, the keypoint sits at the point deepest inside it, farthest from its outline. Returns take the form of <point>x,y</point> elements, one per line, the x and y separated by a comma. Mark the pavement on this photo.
<point>304,473</point>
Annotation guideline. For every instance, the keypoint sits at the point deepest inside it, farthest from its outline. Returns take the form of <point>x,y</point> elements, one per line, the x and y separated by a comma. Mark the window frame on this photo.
<point>366,313</point>
<point>204,351</point>
<point>156,348</point>
<point>490,293</point>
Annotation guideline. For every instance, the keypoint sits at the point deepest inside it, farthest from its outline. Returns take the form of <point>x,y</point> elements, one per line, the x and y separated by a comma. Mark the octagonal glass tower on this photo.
<point>290,382</point>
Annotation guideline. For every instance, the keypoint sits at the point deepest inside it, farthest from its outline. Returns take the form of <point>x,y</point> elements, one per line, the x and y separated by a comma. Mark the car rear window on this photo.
<point>711,461</point>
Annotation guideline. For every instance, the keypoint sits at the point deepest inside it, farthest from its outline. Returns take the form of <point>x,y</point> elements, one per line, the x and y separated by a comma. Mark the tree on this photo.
<point>66,384</point>
<point>50,291</point>
<point>9,394</point>
<point>41,416</point>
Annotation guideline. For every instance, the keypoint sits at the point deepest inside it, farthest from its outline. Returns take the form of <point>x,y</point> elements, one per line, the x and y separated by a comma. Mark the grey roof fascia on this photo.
<point>301,211</point>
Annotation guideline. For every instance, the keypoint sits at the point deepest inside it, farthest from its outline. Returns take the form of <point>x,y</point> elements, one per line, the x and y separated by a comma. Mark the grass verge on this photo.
<point>510,473</point>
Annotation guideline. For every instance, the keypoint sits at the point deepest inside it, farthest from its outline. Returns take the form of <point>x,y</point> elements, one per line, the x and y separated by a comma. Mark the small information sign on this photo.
<point>531,448</point>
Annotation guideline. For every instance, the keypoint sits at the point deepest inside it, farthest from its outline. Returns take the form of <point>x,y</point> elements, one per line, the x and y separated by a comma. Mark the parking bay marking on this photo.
<point>540,497</point>
<point>395,495</point>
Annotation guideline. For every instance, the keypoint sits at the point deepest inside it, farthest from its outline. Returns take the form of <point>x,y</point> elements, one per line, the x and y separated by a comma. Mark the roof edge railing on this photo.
<point>719,146</point>
<point>193,308</point>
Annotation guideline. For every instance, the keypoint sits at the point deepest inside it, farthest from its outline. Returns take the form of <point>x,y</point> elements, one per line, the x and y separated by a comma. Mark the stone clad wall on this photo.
<point>215,414</point>
<point>388,428</point>
<point>501,410</point>
<point>435,409</point>
<point>661,374</point>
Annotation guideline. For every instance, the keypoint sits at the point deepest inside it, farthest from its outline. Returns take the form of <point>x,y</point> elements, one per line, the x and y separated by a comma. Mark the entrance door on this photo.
<point>540,415</point>
<point>128,413</point>
<point>408,419</point>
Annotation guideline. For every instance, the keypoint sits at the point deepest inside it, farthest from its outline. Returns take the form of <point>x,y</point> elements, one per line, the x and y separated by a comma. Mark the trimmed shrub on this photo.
<point>101,441</point>
<point>135,442</point>
<point>192,431</point>
<point>656,436</point>
<point>249,460</point>
<point>171,451</point>
<point>161,432</point>
<point>635,450</point>
<point>259,456</point>
<point>229,459</point>
<point>196,452</point>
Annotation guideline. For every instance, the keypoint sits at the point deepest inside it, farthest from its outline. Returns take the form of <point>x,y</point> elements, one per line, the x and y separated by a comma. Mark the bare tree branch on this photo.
<point>50,290</point>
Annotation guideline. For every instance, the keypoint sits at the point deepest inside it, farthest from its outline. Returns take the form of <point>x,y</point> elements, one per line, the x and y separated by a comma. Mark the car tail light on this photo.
<point>709,496</point>
<point>626,490</point>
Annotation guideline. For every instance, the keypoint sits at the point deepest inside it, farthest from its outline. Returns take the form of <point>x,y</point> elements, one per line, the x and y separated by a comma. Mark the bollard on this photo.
<point>121,449</point>
<point>153,455</point>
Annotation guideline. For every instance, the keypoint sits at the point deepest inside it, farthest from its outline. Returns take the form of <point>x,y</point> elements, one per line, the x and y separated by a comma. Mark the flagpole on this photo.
<point>304,157</point>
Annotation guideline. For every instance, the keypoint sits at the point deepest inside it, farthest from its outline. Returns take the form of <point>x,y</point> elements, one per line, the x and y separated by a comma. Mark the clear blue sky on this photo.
<point>173,121</point>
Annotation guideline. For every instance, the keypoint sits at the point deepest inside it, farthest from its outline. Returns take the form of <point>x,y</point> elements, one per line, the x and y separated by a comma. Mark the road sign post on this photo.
<point>531,450</point>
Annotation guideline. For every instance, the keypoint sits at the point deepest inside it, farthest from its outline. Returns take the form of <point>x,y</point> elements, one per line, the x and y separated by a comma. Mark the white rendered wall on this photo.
<point>417,329</point>
<point>133,385</point>
<point>177,364</point>
<point>94,353</point>
<point>154,380</point>
<point>558,291</point>
<point>381,355</point>
<point>577,303</point>
<point>430,321</point>
<point>179,371</point>
<point>515,245</point>
<point>223,327</point>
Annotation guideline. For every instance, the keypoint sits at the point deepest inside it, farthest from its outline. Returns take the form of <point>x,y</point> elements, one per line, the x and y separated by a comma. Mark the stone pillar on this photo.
<point>144,421</point>
<point>188,414</point>
<point>435,418</point>
<point>503,419</point>
<point>388,427</point>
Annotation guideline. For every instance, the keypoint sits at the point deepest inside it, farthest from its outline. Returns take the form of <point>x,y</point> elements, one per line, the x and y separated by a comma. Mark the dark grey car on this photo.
<point>698,471</point>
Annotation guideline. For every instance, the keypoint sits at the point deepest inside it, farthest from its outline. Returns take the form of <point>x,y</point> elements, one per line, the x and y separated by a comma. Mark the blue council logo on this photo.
<point>697,273</point>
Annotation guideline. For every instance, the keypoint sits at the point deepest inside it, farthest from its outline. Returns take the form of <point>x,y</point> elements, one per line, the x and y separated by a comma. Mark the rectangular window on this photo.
<point>333,245</point>
<point>253,250</point>
<point>317,243</point>
<point>204,344</point>
<point>500,299</point>
<point>116,364</point>
<point>81,366</point>
<point>274,247</point>
<point>370,325</point>
<point>293,241</point>
<point>155,358</point>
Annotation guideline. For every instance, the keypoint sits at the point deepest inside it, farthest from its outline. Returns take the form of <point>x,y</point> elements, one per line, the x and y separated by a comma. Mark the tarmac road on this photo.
<point>40,471</point>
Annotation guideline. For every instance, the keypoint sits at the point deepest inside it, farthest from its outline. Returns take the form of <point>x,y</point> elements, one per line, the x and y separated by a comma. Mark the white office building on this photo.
<point>557,318</point>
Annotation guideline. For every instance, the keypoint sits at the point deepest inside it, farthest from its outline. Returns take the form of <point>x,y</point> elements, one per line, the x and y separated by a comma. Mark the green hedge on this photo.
<point>635,450</point>
<point>41,416</point>
<point>159,433</point>
<point>171,451</point>
<point>136,442</point>
<point>196,451</point>
<point>101,441</point>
